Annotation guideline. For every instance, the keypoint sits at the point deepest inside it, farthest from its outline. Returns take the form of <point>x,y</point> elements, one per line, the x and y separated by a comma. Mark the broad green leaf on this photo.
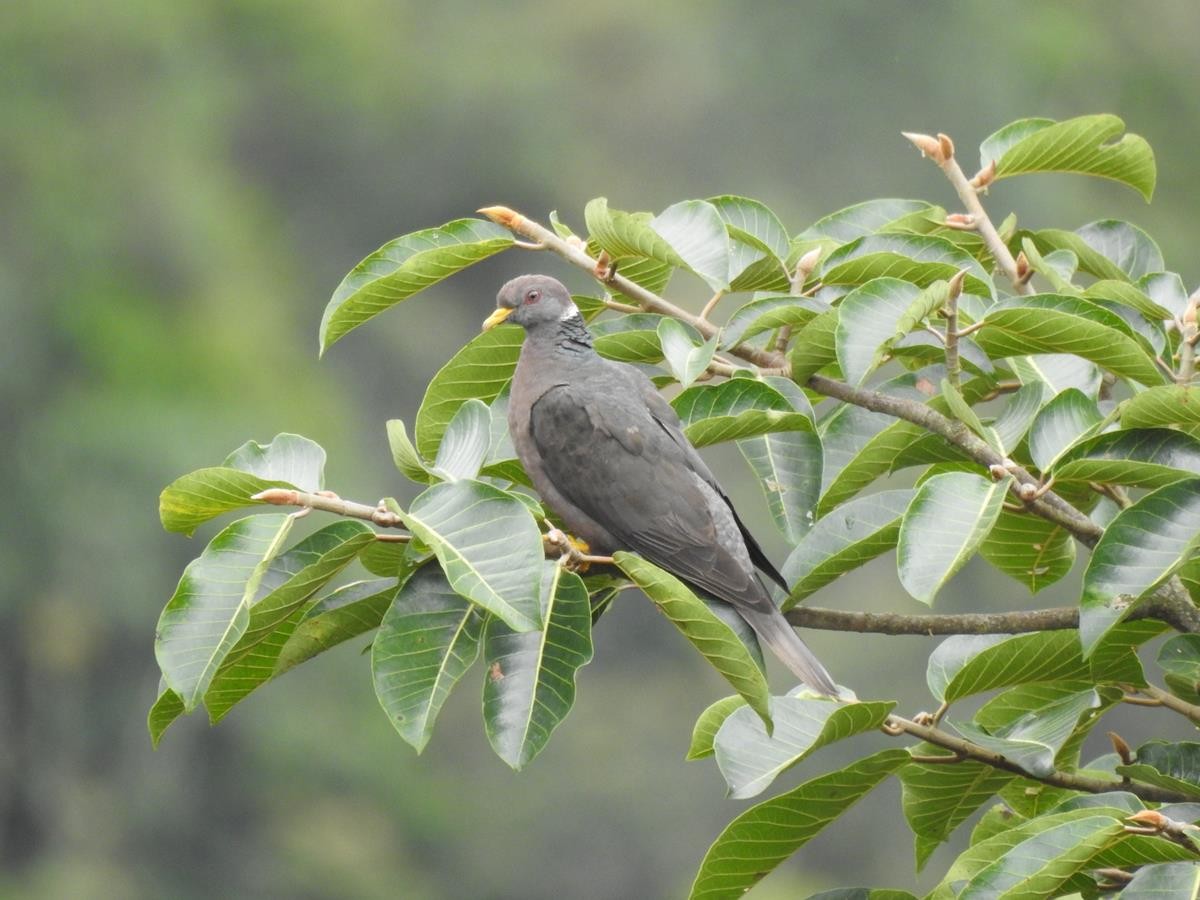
<point>1165,289</point>
<point>1165,881</point>
<point>340,615</point>
<point>750,759</point>
<point>710,721</point>
<point>1128,295</point>
<point>938,798</point>
<point>1059,424</point>
<point>194,498</point>
<point>765,314</point>
<point>876,314</point>
<point>686,360</point>
<point>652,274</point>
<point>1141,548</point>
<point>1142,457</point>
<point>944,525</point>
<point>997,819</point>
<point>465,443</point>
<point>709,634</point>
<point>481,369</point>
<point>404,454</point>
<point>427,640</point>
<point>488,544</point>
<point>1058,371</point>
<point>1042,863</point>
<point>1164,405</point>
<point>863,893</point>
<point>1083,145</point>
<point>762,837</point>
<point>961,410</point>
<point>1018,414</point>
<point>998,847</point>
<point>1033,740</point>
<point>288,461</point>
<point>696,233</point>
<point>1034,551</point>
<point>530,685</point>
<point>787,466</point>
<point>815,346</point>
<point>754,218</point>
<point>1065,325</point>
<point>289,582</point>
<point>738,408</point>
<point>632,338</point>
<point>758,244</point>
<point>1179,761</point>
<point>209,611</point>
<point>1179,658</point>
<point>387,559</point>
<point>921,259</point>
<point>1108,249</point>
<point>402,267</point>
<point>971,664</point>
<point>844,539</point>
<point>854,222</point>
<point>166,709</point>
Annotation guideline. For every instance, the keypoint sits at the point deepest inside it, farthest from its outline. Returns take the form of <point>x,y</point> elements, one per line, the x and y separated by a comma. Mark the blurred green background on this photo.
<point>183,185</point>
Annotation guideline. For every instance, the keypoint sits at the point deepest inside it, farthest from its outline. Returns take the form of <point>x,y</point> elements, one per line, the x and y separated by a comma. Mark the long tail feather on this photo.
<point>774,631</point>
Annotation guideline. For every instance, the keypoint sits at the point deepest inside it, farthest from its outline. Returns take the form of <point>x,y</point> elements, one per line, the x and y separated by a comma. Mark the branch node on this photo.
<point>984,176</point>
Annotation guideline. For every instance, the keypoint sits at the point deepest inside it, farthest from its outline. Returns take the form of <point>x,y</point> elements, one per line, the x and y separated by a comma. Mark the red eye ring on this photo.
<point>532,296</point>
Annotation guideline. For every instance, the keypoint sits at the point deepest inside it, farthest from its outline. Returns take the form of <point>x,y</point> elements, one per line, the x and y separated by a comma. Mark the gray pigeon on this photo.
<point>607,453</point>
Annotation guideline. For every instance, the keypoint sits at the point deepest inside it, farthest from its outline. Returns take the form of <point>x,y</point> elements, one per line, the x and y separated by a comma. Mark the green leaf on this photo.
<point>488,544</point>
<point>530,684</point>
<point>759,244</point>
<point>750,759</point>
<point>402,267</point>
<point>815,346</point>
<point>844,539</point>
<point>765,314</point>
<point>166,709</point>
<point>1140,549</point>
<point>921,259</point>
<point>1018,414</point>
<point>686,360</point>
<point>1165,405</point>
<point>1179,760</point>
<point>710,721</point>
<point>1033,740</point>
<point>1041,864</point>
<point>404,454</point>
<point>479,370</point>
<point>854,222</point>
<point>1165,289</point>
<point>632,338</point>
<point>1059,371</point>
<point>709,634</point>
<point>754,218</point>
<point>288,461</point>
<point>738,408</point>
<point>1063,421</point>
<point>944,525</point>
<point>1142,457</point>
<point>971,664</point>
<point>465,443</point>
<point>340,615</point>
<point>1028,548</point>
<point>386,558</point>
<point>938,798</point>
<point>1059,324</point>
<point>1128,295</point>
<point>427,640</point>
<point>1083,145</point>
<point>960,409</point>
<point>875,315</point>
<point>209,611</point>
<point>762,837</point>
<point>1166,881</point>
<point>1179,658</point>
<point>289,582</point>
<point>1108,249</point>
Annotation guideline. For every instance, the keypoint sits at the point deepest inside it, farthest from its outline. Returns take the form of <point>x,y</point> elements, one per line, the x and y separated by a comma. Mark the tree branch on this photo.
<point>331,502</point>
<point>1017,622</point>
<point>1173,703</point>
<point>941,151</point>
<point>1069,780</point>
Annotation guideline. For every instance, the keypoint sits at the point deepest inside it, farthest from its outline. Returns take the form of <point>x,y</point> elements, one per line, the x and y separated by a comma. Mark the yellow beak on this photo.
<point>501,313</point>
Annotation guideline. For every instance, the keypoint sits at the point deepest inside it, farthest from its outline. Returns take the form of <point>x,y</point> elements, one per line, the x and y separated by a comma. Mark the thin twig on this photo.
<point>330,502</point>
<point>929,624</point>
<point>1171,702</point>
<point>953,366</point>
<point>711,305</point>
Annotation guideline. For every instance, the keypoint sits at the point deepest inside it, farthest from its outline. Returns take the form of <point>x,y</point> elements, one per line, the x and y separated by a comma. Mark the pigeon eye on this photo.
<point>533,296</point>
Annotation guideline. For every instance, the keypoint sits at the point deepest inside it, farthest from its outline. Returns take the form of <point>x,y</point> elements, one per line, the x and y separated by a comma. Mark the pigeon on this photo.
<point>607,453</point>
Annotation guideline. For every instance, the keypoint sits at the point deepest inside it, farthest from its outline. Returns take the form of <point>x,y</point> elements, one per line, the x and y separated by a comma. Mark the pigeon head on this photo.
<point>532,301</point>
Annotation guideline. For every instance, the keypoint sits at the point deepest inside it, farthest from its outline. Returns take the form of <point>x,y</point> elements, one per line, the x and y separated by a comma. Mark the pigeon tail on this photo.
<point>774,631</point>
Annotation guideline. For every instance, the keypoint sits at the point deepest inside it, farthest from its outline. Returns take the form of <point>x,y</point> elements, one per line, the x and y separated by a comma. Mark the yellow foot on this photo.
<point>569,549</point>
